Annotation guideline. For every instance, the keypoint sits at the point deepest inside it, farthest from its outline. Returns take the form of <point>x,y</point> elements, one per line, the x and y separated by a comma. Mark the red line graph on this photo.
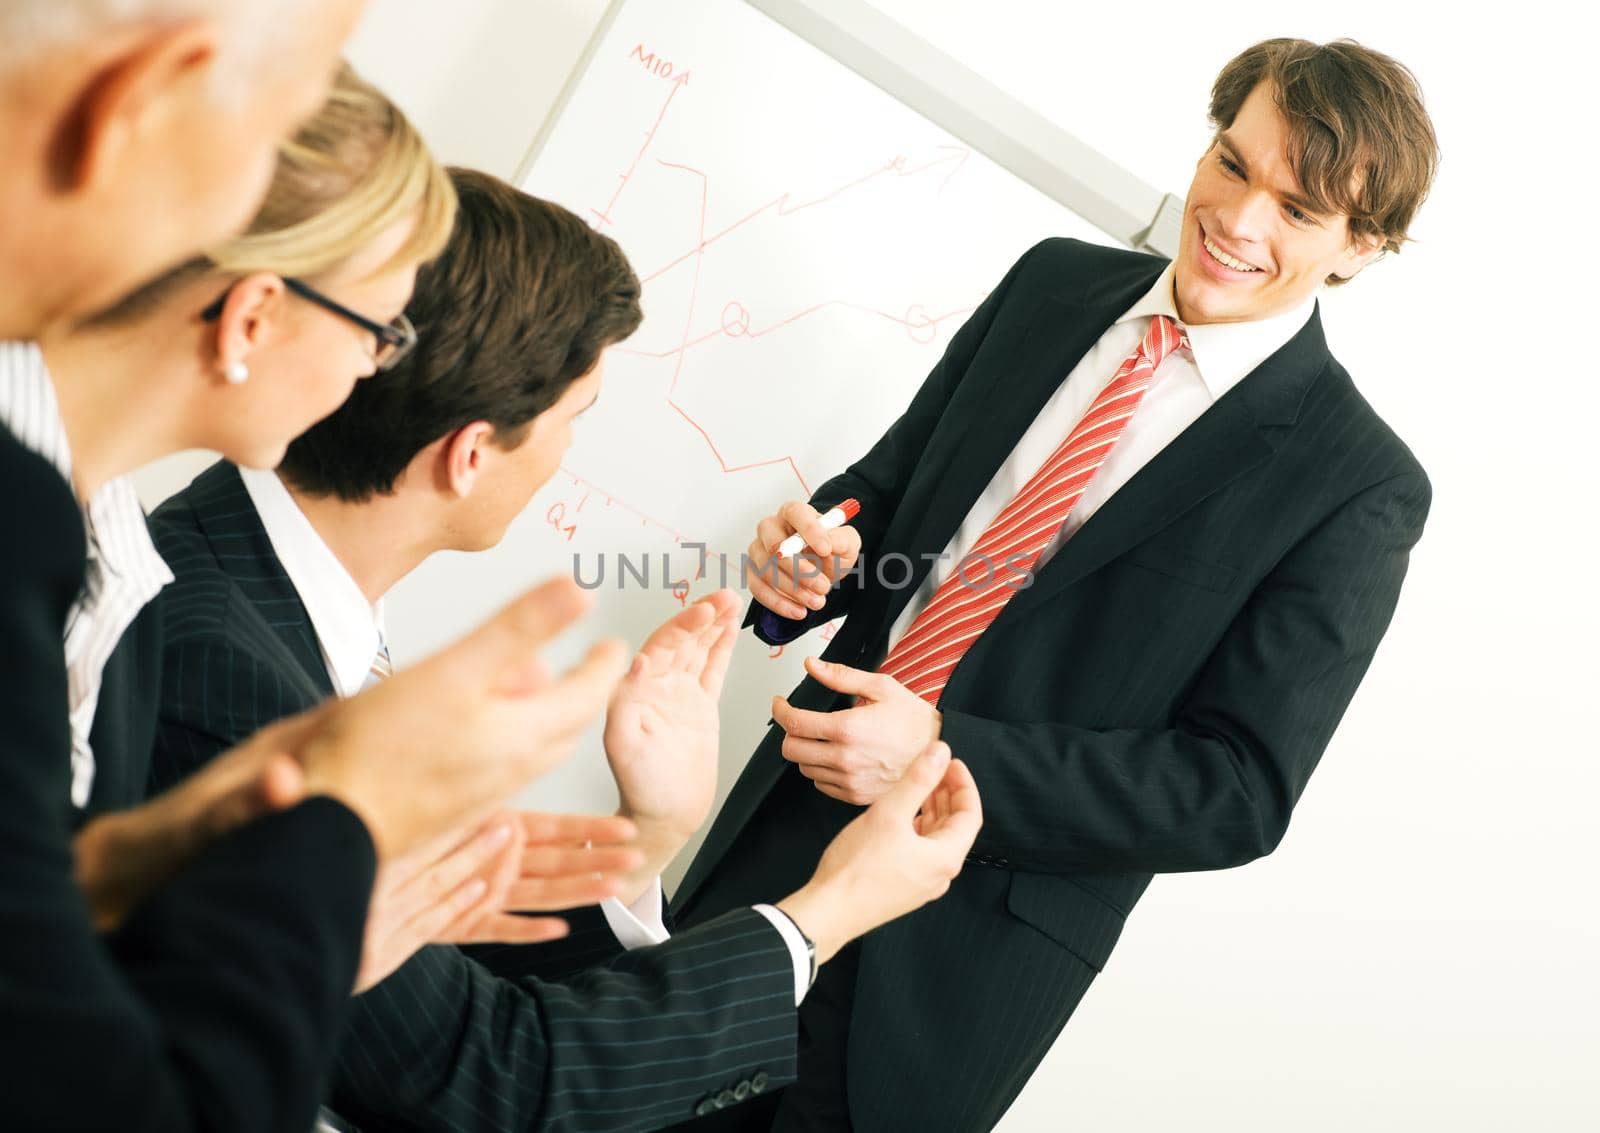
<point>915,321</point>
<point>645,519</point>
<point>604,215</point>
<point>735,321</point>
<point>895,165</point>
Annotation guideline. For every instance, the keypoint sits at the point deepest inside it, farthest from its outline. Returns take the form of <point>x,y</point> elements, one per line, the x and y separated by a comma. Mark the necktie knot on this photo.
<point>1161,338</point>
<point>382,668</point>
<point>960,610</point>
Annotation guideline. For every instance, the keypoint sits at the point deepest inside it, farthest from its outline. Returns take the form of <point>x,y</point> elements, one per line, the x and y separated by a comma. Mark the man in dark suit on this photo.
<point>211,999</point>
<point>273,609</point>
<point>1173,535</point>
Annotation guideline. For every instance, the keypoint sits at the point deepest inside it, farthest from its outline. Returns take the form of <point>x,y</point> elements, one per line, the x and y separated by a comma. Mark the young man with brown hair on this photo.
<point>1203,529</point>
<point>277,604</point>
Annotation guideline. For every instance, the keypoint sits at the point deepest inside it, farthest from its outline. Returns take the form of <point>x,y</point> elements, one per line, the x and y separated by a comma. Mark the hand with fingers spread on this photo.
<point>661,735</point>
<point>791,586</point>
<point>465,888</point>
<point>442,743</point>
<point>567,860</point>
<point>858,753</point>
<point>899,854</point>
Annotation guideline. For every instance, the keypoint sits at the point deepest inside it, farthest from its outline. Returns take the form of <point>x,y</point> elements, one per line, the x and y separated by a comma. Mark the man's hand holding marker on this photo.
<point>789,586</point>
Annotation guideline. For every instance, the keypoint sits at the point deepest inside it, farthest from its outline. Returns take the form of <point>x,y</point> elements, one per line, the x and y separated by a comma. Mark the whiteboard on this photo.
<point>807,246</point>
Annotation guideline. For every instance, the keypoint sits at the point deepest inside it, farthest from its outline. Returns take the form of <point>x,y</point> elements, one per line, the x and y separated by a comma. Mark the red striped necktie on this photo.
<point>1002,560</point>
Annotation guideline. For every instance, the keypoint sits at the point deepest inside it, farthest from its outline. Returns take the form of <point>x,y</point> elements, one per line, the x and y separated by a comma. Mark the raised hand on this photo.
<point>662,732</point>
<point>442,743</point>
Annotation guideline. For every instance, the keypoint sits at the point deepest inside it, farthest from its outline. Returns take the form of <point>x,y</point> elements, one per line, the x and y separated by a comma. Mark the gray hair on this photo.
<point>31,26</point>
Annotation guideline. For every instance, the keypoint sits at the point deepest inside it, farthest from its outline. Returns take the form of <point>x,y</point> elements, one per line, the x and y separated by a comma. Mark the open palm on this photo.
<point>661,726</point>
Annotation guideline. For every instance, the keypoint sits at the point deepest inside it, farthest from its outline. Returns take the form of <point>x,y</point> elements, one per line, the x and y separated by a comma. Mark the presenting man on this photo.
<point>277,604</point>
<point>1154,536</point>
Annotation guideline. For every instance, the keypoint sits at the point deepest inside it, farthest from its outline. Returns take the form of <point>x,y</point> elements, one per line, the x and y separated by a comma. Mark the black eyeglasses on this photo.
<point>395,339</point>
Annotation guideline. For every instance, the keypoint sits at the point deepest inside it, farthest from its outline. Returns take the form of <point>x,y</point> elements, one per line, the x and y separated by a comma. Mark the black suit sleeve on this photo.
<point>447,1042</point>
<point>444,1044</point>
<point>880,477</point>
<point>215,1007</point>
<point>1216,789</point>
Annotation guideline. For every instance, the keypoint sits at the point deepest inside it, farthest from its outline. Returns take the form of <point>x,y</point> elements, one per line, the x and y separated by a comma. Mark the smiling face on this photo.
<point>1253,245</point>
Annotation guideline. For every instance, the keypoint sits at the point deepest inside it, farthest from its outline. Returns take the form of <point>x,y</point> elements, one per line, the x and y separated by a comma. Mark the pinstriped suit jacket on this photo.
<point>450,1043</point>
<point>1154,702</point>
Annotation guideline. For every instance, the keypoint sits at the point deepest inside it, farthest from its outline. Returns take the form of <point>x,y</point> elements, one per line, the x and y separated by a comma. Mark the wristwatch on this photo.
<point>811,947</point>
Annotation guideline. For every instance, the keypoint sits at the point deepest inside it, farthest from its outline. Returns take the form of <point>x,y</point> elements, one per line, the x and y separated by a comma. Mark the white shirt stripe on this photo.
<point>124,571</point>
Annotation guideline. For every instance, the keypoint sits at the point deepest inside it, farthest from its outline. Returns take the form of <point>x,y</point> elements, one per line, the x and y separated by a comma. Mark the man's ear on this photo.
<point>464,454</point>
<point>252,308</point>
<point>128,91</point>
<point>1362,251</point>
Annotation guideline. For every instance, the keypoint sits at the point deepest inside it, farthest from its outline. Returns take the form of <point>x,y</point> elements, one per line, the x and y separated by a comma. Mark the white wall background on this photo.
<point>1419,953</point>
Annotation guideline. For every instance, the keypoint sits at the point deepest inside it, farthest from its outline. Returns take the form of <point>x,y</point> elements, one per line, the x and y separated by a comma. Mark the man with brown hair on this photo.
<point>1157,536</point>
<point>277,603</point>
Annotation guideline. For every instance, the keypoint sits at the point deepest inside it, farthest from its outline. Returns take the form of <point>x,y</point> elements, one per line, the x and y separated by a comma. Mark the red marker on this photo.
<point>836,516</point>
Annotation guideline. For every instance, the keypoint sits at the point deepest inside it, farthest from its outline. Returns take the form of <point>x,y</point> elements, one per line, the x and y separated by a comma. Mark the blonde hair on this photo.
<point>355,169</point>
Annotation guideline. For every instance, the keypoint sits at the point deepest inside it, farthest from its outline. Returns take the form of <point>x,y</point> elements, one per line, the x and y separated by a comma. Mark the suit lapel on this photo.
<point>1061,330</point>
<point>1237,433</point>
<point>228,519</point>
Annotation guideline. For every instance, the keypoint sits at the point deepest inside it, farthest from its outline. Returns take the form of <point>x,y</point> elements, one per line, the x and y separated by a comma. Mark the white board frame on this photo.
<point>959,101</point>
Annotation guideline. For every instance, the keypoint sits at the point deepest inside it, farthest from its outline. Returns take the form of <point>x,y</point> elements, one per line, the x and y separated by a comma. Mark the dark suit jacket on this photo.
<point>216,1005</point>
<point>446,1043</point>
<point>1154,702</point>
<point>124,730</point>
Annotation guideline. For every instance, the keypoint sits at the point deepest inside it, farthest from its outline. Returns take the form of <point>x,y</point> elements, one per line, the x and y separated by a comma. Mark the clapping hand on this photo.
<point>662,732</point>
<point>467,887</point>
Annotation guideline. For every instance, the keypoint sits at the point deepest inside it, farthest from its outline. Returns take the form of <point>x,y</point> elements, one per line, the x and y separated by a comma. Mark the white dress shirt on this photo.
<point>1188,382</point>
<point>349,631</point>
<point>124,570</point>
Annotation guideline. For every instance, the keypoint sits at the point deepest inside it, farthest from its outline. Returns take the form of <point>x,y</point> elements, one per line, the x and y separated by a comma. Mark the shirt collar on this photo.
<point>121,542</point>
<point>1224,353</point>
<point>28,405</point>
<point>348,627</point>
<point>119,539</point>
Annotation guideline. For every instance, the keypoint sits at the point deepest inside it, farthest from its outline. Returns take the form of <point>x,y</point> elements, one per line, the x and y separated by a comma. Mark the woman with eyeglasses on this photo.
<point>243,349</point>
<point>148,1026</point>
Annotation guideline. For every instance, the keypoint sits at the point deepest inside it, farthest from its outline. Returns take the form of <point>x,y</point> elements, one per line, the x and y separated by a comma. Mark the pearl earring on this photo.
<point>237,373</point>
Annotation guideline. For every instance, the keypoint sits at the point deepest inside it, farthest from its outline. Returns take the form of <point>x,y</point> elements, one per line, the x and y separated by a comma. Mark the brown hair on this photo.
<point>1360,141</point>
<point>520,304</point>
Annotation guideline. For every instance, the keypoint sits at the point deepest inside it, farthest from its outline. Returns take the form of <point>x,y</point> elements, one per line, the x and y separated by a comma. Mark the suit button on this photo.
<point>741,1091</point>
<point>706,1106</point>
<point>725,1099</point>
<point>759,1082</point>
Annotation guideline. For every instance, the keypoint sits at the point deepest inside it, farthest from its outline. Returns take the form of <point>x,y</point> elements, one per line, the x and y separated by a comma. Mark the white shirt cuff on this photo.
<point>797,949</point>
<point>638,925</point>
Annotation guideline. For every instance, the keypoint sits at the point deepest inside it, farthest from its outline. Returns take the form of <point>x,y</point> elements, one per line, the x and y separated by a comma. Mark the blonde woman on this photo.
<point>212,1002</point>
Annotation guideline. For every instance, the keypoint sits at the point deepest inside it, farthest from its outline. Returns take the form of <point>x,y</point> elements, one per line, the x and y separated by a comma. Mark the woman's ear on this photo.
<point>249,314</point>
<point>464,455</point>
